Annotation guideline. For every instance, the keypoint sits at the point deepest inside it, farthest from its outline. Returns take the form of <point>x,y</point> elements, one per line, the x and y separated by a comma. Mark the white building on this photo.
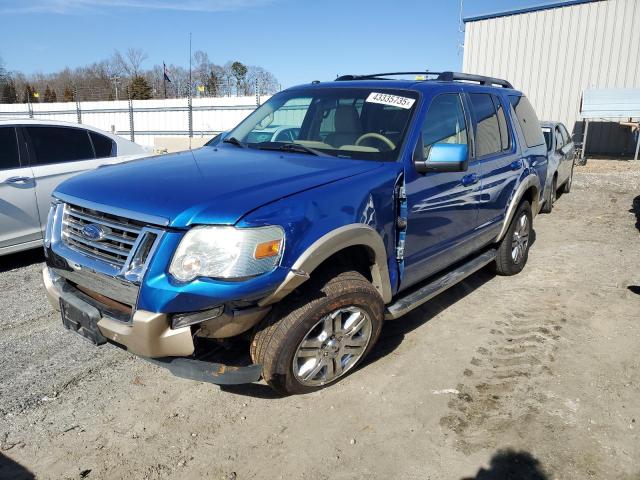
<point>554,52</point>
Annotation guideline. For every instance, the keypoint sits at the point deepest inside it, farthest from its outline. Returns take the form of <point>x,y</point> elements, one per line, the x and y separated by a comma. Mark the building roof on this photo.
<point>610,103</point>
<point>532,8</point>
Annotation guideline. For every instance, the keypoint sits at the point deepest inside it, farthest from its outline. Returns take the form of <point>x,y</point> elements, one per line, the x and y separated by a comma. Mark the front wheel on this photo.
<point>566,188</point>
<point>320,334</point>
<point>551,196</point>
<point>513,251</point>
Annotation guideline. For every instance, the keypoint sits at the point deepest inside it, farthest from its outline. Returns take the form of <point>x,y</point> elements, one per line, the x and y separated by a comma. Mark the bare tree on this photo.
<point>265,81</point>
<point>3,71</point>
<point>136,56</point>
<point>130,63</point>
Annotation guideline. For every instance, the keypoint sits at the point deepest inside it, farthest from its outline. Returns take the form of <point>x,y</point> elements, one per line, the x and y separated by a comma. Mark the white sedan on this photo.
<point>35,156</point>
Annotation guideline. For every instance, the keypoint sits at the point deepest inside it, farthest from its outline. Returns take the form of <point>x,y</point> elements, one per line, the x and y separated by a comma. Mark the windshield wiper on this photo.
<point>233,141</point>
<point>291,147</point>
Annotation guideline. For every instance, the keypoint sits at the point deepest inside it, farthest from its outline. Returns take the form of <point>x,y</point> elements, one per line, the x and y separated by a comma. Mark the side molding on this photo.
<point>530,181</point>
<point>329,244</point>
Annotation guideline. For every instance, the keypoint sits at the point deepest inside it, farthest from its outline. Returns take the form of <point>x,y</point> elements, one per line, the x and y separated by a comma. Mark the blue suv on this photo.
<point>331,208</point>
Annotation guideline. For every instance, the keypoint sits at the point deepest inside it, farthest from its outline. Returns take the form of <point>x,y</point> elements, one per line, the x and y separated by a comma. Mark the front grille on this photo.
<point>119,234</point>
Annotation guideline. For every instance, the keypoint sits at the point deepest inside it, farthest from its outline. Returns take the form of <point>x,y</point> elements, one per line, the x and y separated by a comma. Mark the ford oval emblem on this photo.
<point>93,232</point>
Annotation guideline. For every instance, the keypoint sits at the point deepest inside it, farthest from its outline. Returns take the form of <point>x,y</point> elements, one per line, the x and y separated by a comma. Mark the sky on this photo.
<point>297,40</point>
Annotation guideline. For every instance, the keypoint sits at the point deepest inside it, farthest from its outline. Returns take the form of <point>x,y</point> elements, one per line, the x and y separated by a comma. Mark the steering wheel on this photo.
<point>377,136</point>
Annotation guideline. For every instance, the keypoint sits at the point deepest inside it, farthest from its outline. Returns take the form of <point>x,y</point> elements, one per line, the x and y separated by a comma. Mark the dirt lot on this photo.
<point>536,374</point>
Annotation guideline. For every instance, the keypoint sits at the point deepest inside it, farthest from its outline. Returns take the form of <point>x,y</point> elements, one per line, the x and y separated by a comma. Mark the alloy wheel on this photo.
<point>520,240</point>
<point>332,346</point>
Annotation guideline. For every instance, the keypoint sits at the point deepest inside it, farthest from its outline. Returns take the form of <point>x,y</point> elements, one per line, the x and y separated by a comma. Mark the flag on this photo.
<point>200,88</point>
<point>36,95</point>
<point>166,73</point>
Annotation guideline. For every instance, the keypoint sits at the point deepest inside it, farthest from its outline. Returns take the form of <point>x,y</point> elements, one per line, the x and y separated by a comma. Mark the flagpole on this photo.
<point>164,79</point>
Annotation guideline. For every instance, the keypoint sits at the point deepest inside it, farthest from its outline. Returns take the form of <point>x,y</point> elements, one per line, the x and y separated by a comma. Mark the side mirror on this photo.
<point>443,157</point>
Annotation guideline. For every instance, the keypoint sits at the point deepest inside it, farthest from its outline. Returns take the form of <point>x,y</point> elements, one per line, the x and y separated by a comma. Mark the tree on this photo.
<point>130,63</point>
<point>28,96</point>
<point>50,95</point>
<point>267,83</point>
<point>68,95</point>
<point>3,72</point>
<point>239,72</point>
<point>9,94</point>
<point>98,80</point>
<point>139,89</point>
<point>213,81</point>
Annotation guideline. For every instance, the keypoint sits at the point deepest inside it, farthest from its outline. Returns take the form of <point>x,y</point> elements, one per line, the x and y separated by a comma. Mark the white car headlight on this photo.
<point>227,252</point>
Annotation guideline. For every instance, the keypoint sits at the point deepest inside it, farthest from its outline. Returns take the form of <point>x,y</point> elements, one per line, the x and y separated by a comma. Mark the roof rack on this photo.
<point>468,77</point>
<point>441,76</point>
<point>380,76</point>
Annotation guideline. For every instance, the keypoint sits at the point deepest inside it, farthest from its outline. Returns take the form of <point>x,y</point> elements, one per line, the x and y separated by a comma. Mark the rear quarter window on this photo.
<point>104,146</point>
<point>9,157</point>
<point>528,120</point>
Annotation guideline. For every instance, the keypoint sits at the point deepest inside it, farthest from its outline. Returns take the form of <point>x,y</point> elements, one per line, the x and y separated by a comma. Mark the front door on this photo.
<point>442,206</point>
<point>19,222</point>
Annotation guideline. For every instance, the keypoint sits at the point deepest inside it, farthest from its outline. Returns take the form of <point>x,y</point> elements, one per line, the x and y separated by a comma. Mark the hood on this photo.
<point>205,186</point>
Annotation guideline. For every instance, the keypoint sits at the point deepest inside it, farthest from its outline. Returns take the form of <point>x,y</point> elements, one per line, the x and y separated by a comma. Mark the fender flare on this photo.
<point>356,234</point>
<point>530,181</point>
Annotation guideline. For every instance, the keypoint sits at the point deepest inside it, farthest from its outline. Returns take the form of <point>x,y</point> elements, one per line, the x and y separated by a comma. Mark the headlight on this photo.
<point>227,252</point>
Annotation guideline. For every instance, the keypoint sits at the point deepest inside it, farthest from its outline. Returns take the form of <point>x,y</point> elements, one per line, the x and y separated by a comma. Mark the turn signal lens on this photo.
<point>267,249</point>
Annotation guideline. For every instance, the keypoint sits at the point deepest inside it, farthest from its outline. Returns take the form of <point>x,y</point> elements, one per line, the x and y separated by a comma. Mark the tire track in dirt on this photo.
<point>500,391</point>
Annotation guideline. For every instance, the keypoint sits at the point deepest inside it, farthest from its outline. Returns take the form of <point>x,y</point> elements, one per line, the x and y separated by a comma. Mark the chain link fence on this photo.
<point>143,121</point>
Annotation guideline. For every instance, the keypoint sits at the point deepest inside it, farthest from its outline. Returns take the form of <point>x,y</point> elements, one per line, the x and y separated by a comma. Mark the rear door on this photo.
<point>57,153</point>
<point>533,147</point>
<point>19,221</point>
<point>499,159</point>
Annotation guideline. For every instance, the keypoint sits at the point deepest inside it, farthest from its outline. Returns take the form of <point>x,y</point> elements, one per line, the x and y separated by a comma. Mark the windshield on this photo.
<point>359,123</point>
<point>547,137</point>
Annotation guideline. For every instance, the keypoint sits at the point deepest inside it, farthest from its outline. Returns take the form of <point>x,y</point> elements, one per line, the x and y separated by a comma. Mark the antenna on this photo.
<point>461,29</point>
<point>190,106</point>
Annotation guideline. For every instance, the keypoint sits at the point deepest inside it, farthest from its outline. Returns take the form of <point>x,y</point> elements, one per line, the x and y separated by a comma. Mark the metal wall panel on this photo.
<point>553,55</point>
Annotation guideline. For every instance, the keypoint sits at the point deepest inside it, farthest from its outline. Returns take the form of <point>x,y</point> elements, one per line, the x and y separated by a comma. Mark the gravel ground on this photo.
<point>535,374</point>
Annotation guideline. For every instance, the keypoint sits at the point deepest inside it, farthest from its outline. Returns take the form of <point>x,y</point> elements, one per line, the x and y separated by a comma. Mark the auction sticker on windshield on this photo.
<point>393,100</point>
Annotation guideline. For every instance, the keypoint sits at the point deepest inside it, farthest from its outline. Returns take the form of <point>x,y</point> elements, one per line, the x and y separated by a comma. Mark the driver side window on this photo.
<point>444,123</point>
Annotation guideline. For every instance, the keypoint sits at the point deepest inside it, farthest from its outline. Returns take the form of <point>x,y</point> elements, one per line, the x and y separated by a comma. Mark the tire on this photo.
<point>507,261</point>
<point>299,337</point>
<point>551,196</point>
<point>566,188</point>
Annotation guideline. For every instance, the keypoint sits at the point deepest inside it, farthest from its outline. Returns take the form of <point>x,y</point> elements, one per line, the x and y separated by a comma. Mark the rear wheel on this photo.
<point>513,251</point>
<point>319,335</point>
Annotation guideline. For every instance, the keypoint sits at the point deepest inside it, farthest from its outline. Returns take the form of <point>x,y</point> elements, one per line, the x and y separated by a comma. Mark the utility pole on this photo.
<point>115,80</point>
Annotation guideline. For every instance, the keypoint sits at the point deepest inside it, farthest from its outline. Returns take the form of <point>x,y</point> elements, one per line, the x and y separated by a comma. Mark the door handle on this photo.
<point>516,165</point>
<point>17,180</point>
<point>470,179</point>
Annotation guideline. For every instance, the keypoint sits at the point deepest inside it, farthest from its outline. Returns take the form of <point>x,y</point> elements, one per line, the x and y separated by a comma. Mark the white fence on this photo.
<point>144,120</point>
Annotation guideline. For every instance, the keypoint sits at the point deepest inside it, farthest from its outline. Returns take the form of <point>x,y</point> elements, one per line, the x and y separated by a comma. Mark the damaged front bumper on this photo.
<point>148,335</point>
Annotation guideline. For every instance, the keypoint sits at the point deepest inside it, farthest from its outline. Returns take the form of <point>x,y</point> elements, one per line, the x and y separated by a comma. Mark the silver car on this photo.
<point>561,155</point>
<point>35,156</point>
